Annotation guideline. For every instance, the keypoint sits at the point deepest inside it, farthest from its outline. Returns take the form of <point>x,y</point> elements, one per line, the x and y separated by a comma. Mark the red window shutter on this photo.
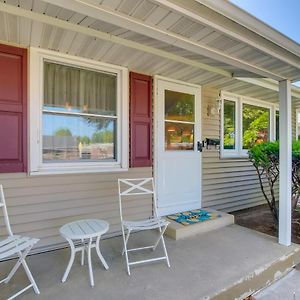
<point>13,109</point>
<point>140,120</point>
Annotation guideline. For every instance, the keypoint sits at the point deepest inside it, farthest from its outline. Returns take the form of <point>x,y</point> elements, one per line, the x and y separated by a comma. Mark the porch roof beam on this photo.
<point>88,8</point>
<point>251,38</point>
<point>271,85</point>
<point>34,16</point>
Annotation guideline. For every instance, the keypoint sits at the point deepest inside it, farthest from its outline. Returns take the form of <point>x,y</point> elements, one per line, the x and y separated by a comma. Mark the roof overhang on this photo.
<point>92,9</point>
<point>112,34</point>
<point>252,23</point>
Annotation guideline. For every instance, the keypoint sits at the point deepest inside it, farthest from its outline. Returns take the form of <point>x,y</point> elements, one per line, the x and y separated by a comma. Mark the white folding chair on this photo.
<point>136,188</point>
<point>16,245</point>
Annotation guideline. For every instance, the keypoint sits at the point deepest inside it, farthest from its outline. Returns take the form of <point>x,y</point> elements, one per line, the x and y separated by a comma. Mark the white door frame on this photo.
<point>156,78</point>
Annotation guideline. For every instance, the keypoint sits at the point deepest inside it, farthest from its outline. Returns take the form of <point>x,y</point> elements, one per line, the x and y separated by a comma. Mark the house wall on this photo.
<point>228,184</point>
<point>39,205</point>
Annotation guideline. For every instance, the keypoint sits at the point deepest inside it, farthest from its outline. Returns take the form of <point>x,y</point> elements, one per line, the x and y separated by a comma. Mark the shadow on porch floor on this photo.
<point>222,264</point>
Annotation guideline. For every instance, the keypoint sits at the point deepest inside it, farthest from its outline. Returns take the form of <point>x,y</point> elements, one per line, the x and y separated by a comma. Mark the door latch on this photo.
<point>199,146</point>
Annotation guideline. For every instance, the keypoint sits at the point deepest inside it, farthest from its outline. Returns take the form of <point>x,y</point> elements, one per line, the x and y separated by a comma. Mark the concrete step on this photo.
<point>284,288</point>
<point>262,277</point>
<point>178,231</point>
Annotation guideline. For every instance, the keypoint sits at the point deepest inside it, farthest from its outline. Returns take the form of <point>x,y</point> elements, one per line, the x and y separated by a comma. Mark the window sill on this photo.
<point>79,170</point>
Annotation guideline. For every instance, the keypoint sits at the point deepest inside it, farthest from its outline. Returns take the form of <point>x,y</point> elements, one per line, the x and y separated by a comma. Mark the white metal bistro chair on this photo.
<point>16,245</point>
<point>139,187</point>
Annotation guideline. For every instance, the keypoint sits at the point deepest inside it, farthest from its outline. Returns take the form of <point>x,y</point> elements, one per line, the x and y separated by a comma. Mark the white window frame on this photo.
<point>297,123</point>
<point>239,100</point>
<point>230,152</point>
<point>36,95</point>
<point>276,109</point>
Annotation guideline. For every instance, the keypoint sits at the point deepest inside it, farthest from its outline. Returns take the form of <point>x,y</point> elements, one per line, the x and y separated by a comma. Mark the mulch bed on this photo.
<point>260,218</point>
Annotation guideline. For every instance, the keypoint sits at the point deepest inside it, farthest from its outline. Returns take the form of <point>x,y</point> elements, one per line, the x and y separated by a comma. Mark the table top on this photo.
<point>83,229</point>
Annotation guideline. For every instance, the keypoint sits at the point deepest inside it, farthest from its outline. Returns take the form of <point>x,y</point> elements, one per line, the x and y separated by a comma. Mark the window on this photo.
<point>246,122</point>
<point>79,114</point>
<point>82,109</point>
<point>229,124</point>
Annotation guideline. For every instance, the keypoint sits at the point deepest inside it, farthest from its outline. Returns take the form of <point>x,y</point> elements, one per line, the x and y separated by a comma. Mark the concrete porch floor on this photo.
<point>222,264</point>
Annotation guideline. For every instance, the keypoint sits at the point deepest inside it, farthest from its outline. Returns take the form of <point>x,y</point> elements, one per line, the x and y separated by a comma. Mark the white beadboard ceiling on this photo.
<point>24,30</point>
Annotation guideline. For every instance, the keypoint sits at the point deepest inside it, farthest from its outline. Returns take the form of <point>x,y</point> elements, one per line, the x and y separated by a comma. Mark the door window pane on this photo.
<point>179,136</point>
<point>229,124</point>
<point>256,123</point>
<point>179,106</point>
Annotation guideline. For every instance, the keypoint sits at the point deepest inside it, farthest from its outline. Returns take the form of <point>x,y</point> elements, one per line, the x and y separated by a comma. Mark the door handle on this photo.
<point>199,146</point>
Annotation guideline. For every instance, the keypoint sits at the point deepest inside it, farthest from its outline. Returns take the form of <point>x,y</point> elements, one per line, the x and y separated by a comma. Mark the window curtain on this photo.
<point>79,90</point>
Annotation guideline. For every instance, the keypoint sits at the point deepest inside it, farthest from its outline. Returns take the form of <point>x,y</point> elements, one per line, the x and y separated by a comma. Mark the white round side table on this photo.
<point>89,233</point>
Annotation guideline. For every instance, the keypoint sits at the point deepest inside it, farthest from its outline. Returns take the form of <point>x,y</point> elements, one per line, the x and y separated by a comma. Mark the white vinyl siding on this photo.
<point>227,184</point>
<point>39,205</point>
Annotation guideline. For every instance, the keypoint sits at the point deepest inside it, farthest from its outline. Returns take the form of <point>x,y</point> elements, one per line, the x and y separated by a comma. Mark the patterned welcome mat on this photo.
<point>193,216</point>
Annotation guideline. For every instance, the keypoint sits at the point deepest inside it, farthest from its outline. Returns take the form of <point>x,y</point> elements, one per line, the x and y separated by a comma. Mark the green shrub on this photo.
<point>265,158</point>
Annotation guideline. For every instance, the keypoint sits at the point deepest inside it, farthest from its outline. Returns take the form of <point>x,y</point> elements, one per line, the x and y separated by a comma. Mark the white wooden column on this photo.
<point>285,163</point>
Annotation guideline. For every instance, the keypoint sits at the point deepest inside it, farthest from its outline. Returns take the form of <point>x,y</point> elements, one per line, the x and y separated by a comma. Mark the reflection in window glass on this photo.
<point>229,124</point>
<point>256,122</point>
<point>179,136</point>
<point>78,138</point>
<point>277,125</point>
<point>179,106</point>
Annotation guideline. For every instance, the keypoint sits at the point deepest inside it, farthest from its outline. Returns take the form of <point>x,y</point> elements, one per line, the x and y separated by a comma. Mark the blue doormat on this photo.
<point>193,216</point>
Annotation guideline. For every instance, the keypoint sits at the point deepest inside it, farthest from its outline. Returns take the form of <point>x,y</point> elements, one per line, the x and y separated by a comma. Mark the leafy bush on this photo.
<point>265,158</point>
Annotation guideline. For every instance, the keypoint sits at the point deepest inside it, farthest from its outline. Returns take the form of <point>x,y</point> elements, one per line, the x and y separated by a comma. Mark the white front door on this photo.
<point>177,139</point>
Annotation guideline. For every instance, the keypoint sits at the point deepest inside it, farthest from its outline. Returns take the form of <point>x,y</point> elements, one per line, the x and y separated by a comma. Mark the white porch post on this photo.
<point>285,162</point>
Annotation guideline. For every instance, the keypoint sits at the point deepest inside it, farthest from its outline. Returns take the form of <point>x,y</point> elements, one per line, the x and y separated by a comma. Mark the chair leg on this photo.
<point>21,261</point>
<point>165,249</point>
<point>19,292</point>
<point>162,231</point>
<point>17,265</point>
<point>99,253</point>
<point>125,240</point>
<point>71,261</point>
<point>30,277</point>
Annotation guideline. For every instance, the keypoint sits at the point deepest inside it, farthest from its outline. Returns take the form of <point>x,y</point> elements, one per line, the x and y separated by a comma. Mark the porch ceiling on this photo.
<point>169,38</point>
